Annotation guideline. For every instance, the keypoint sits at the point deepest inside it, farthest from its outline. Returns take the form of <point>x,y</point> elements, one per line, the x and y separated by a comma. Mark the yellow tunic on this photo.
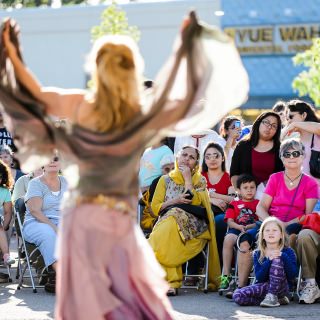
<point>170,249</point>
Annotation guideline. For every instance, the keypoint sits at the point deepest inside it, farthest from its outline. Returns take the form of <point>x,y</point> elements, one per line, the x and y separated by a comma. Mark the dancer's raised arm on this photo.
<point>54,99</point>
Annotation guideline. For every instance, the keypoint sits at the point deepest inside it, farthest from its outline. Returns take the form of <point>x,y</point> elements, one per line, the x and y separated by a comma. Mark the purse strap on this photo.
<point>312,141</point>
<point>293,198</point>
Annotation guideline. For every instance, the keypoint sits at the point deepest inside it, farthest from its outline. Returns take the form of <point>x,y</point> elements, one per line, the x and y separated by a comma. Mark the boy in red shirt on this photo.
<point>241,219</point>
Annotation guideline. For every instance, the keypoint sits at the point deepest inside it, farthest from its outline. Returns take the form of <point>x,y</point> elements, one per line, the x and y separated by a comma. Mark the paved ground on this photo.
<point>189,305</point>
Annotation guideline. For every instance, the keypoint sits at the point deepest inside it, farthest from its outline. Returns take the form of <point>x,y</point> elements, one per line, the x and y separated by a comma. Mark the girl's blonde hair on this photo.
<point>262,245</point>
<point>116,65</point>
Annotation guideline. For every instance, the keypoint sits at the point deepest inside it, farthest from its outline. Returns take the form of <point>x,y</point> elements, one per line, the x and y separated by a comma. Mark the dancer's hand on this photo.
<point>189,28</point>
<point>10,47</point>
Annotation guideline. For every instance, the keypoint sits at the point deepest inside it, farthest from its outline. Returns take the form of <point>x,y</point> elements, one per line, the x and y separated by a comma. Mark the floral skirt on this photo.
<point>106,269</point>
<point>190,227</point>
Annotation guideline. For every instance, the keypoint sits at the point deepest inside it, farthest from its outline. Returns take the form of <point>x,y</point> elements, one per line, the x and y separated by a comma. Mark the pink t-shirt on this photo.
<point>282,196</point>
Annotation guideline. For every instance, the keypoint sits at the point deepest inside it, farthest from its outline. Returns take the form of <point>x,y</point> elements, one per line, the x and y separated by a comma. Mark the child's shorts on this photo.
<point>250,236</point>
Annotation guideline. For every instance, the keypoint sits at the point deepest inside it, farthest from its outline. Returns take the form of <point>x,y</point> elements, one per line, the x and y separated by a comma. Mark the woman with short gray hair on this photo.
<point>289,194</point>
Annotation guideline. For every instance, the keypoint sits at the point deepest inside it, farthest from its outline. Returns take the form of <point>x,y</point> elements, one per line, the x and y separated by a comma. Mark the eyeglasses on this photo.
<point>270,125</point>
<point>294,154</point>
<point>212,156</point>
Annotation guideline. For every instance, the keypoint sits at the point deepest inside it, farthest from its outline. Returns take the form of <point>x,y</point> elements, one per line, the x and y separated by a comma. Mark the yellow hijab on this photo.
<point>177,176</point>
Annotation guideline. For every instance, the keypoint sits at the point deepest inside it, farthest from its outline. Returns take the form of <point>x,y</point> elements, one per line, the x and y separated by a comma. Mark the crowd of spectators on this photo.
<point>252,174</point>
<point>209,188</point>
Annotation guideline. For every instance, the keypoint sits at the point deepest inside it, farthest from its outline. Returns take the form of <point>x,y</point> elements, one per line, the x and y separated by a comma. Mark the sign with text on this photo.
<point>273,39</point>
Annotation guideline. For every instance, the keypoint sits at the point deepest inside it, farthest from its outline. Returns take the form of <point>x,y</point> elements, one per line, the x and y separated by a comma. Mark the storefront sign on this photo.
<point>274,39</point>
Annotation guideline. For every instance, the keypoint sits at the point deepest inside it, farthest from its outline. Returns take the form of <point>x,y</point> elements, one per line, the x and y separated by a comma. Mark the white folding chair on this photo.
<point>31,252</point>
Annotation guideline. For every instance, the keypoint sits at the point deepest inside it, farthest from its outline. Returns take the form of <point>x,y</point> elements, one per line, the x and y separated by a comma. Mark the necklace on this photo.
<point>292,180</point>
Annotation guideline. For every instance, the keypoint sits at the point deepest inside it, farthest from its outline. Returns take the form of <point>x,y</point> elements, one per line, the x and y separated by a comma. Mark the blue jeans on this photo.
<point>44,237</point>
<point>221,229</point>
<point>293,228</point>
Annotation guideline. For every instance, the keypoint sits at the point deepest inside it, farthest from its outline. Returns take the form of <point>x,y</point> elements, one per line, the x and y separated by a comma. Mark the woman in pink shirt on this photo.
<point>289,194</point>
<point>304,122</point>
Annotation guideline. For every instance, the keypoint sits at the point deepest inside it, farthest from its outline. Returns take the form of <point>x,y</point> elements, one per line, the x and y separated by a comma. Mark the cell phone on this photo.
<point>237,124</point>
<point>189,195</point>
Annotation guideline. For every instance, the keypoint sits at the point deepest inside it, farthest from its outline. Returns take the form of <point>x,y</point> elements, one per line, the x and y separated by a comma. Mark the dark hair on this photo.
<point>244,178</point>
<point>254,136</point>
<point>226,123</point>
<point>279,106</point>
<point>5,176</point>
<point>221,151</point>
<point>301,107</point>
<point>192,147</point>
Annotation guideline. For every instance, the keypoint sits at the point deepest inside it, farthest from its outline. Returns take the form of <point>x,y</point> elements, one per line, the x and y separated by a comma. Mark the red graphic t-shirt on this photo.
<point>242,212</point>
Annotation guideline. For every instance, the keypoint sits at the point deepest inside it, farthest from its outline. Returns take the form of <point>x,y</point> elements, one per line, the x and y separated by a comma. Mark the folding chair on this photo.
<point>31,252</point>
<point>204,277</point>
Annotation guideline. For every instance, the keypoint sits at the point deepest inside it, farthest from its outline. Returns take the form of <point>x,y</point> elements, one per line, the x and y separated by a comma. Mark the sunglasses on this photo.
<point>294,154</point>
<point>212,156</point>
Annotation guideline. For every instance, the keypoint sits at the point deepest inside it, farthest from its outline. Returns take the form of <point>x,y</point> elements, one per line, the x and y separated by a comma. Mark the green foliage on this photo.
<point>308,81</point>
<point>114,21</point>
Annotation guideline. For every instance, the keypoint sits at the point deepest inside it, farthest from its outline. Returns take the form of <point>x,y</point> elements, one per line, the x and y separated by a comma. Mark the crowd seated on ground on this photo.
<point>185,224</point>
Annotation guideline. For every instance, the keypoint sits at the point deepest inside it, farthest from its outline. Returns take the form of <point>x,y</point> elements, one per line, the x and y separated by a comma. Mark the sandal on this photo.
<point>172,292</point>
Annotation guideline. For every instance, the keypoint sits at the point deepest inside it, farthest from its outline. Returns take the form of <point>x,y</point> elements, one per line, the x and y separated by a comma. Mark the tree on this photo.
<point>308,81</point>
<point>114,21</point>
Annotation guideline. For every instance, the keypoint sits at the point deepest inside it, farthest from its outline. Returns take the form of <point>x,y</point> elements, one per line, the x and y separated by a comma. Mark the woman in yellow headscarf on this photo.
<point>185,222</point>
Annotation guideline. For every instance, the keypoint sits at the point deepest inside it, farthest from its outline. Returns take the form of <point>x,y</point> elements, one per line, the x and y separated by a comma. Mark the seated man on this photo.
<point>308,250</point>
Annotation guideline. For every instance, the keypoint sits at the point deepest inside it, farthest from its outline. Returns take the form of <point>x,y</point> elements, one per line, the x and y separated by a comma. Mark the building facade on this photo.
<point>268,34</point>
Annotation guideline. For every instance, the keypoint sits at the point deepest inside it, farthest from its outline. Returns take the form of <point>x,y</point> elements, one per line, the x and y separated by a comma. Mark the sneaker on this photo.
<point>229,294</point>
<point>309,294</point>
<point>270,300</point>
<point>7,260</point>
<point>225,282</point>
<point>284,301</point>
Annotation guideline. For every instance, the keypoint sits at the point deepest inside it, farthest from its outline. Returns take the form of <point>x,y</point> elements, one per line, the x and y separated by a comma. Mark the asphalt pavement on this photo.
<point>190,304</point>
